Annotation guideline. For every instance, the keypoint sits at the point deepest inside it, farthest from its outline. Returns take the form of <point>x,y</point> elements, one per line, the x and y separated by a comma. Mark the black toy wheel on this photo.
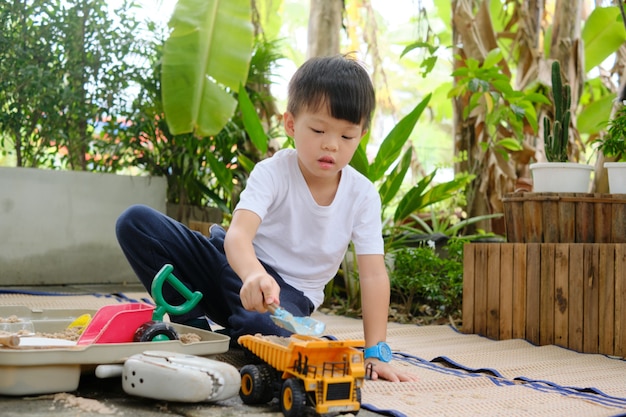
<point>155,331</point>
<point>256,384</point>
<point>293,398</point>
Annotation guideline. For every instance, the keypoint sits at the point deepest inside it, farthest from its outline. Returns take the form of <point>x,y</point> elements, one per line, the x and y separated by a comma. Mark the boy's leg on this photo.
<point>149,239</point>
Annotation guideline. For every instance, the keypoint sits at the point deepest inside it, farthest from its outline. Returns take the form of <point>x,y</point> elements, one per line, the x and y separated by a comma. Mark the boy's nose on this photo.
<point>329,145</point>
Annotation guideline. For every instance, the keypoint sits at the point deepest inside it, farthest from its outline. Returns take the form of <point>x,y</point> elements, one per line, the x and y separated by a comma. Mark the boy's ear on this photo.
<point>363,133</point>
<point>289,122</point>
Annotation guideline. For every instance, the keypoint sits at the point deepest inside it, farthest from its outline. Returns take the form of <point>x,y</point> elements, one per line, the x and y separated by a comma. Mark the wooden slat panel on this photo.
<point>480,290</point>
<point>590,298</point>
<point>602,218</point>
<point>532,292</point>
<point>571,295</point>
<point>576,297</point>
<point>584,220</point>
<point>550,213</point>
<point>513,212</point>
<point>493,291</point>
<point>606,299</point>
<point>469,306</point>
<point>506,292</point>
<point>533,221</point>
<point>546,295</point>
<point>567,222</point>
<point>561,294</point>
<point>618,223</point>
<point>519,290</point>
<point>620,300</point>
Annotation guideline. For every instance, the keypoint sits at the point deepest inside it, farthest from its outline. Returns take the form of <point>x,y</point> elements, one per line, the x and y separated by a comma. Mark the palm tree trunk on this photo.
<point>324,27</point>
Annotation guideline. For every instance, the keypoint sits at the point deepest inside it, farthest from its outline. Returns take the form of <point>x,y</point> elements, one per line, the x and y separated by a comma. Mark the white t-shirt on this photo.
<point>303,241</point>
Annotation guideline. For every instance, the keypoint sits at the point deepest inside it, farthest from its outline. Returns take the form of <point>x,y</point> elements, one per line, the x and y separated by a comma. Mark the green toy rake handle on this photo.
<point>165,275</point>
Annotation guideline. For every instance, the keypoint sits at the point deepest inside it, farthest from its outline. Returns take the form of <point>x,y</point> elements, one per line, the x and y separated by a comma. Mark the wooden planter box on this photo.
<point>565,218</point>
<point>571,295</point>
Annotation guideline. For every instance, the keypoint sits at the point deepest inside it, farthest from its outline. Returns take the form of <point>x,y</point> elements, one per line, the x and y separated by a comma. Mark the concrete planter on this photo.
<point>58,227</point>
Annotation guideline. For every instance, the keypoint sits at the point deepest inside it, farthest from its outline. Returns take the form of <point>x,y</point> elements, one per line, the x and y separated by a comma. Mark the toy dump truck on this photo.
<point>303,371</point>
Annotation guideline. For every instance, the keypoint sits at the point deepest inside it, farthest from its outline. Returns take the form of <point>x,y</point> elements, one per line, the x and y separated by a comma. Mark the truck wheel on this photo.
<point>293,398</point>
<point>256,384</point>
<point>155,331</point>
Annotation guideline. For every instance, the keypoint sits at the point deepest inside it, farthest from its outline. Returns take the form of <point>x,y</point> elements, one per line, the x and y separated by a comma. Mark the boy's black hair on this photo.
<point>339,82</point>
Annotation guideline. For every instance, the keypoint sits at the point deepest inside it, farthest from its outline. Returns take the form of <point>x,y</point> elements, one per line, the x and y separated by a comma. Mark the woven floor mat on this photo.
<point>71,301</point>
<point>459,374</point>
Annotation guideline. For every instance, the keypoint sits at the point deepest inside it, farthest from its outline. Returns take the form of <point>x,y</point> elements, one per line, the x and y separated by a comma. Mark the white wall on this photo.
<point>58,227</point>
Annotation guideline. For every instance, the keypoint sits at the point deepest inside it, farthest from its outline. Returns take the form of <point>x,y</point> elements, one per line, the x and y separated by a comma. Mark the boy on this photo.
<point>292,225</point>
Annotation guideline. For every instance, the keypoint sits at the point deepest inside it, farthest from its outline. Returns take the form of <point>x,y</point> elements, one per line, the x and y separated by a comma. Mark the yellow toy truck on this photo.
<point>303,371</point>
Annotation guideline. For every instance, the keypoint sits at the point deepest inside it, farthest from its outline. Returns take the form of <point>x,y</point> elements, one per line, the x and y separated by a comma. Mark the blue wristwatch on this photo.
<point>381,351</point>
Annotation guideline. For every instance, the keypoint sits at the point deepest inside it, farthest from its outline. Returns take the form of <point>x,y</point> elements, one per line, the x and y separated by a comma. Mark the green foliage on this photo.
<point>603,33</point>
<point>418,228</point>
<point>504,108</point>
<point>425,194</point>
<point>613,143</point>
<point>205,59</point>
<point>556,137</point>
<point>421,276</point>
<point>390,177</point>
<point>200,170</point>
<point>62,65</point>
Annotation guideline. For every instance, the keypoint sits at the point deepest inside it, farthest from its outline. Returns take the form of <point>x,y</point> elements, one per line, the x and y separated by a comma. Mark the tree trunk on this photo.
<point>324,27</point>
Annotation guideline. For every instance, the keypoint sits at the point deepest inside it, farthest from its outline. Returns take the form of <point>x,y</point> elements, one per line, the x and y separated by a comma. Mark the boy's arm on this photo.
<point>259,288</point>
<point>375,294</point>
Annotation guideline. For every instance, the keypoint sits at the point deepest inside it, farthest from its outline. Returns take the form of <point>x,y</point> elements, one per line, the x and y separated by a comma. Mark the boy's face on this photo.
<point>325,145</point>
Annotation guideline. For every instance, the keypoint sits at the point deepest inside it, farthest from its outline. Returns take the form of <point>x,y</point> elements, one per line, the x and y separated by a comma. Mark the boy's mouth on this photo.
<point>326,162</point>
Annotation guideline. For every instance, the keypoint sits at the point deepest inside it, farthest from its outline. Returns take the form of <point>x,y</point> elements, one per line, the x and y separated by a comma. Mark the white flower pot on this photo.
<point>617,177</point>
<point>561,177</point>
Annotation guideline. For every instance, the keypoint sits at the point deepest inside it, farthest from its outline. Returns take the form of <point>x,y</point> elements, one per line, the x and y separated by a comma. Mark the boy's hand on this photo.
<point>258,291</point>
<point>382,370</point>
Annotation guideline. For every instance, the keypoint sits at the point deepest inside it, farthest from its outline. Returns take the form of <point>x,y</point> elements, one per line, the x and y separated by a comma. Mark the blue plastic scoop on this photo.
<point>299,325</point>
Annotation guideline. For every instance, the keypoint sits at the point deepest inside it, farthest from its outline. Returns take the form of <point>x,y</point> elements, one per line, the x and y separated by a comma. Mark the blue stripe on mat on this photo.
<point>587,394</point>
<point>373,409</point>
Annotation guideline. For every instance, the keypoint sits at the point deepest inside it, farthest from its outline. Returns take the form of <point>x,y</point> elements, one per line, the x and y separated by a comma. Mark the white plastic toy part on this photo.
<point>171,376</point>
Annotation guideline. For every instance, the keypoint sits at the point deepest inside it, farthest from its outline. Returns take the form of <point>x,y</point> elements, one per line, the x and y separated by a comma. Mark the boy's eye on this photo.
<point>347,137</point>
<point>317,131</point>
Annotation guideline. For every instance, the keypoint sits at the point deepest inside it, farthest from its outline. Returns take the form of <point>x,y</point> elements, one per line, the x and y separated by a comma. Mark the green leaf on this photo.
<point>359,161</point>
<point>594,117</point>
<point>245,162</point>
<point>493,57</point>
<point>602,35</point>
<point>251,121</point>
<point>205,58</point>
<point>392,145</point>
<point>222,173</point>
<point>431,48</point>
<point>510,144</point>
<point>393,182</point>
<point>413,200</point>
<point>418,197</point>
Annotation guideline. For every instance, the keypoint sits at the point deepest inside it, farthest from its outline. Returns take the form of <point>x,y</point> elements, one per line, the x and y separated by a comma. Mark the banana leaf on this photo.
<point>205,59</point>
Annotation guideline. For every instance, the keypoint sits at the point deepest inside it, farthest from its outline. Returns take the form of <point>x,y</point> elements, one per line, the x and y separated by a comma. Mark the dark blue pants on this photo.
<point>149,239</point>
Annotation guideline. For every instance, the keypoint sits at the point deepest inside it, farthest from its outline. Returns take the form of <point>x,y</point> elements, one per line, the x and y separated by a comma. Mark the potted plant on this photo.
<point>613,146</point>
<point>559,174</point>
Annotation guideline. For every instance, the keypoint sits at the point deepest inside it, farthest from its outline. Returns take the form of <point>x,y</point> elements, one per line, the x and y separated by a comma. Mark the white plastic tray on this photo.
<point>41,370</point>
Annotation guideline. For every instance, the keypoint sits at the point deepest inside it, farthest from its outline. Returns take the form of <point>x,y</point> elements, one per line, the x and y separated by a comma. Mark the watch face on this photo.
<point>385,352</point>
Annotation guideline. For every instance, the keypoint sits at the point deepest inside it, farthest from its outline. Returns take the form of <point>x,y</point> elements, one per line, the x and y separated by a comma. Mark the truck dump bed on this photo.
<point>281,353</point>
